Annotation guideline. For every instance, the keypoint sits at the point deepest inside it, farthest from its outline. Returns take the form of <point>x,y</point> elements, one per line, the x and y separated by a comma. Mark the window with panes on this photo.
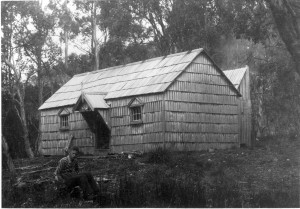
<point>64,121</point>
<point>136,113</point>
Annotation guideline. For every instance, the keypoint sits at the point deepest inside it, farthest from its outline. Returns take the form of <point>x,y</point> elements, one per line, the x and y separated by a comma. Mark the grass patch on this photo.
<point>159,156</point>
<point>266,176</point>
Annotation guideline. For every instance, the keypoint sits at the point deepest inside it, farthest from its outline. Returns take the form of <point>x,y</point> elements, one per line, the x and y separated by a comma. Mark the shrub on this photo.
<point>158,189</point>
<point>159,156</point>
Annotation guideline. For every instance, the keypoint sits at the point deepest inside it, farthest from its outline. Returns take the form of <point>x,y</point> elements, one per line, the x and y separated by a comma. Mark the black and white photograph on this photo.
<point>150,104</point>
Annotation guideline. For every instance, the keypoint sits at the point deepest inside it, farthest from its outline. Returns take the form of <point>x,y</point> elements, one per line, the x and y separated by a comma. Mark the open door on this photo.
<point>102,133</point>
<point>95,111</point>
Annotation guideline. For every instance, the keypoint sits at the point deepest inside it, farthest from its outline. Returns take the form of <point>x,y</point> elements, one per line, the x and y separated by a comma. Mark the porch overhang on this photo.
<point>93,107</point>
<point>89,101</point>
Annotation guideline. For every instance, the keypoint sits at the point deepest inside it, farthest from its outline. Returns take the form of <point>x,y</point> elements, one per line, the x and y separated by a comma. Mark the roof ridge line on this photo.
<point>94,93</point>
<point>137,72</point>
<point>142,61</point>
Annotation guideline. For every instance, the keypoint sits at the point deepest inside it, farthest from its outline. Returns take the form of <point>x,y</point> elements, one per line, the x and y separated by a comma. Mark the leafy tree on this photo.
<point>37,43</point>
<point>287,18</point>
<point>16,69</point>
<point>65,20</point>
<point>89,27</point>
<point>165,26</point>
<point>155,14</point>
<point>279,91</point>
<point>262,20</point>
<point>79,64</point>
<point>28,51</point>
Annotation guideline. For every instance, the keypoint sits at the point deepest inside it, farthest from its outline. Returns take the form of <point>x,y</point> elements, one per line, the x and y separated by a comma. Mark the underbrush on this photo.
<point>158,189</point>
<point>158,156</point>
<point>262,177</point>
<point>181,180</point>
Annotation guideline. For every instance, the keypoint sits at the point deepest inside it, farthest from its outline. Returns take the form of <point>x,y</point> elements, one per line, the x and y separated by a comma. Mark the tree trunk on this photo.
<point>287,18</point>
<point>40,98</point>
<point>22,113</point>
<point>92,23</point>
<point>260,116</point>
<point>95,38</point>
<point>66,36</point>
<point>21,94</point>
<point>9,161</point>
<point>66,48</point>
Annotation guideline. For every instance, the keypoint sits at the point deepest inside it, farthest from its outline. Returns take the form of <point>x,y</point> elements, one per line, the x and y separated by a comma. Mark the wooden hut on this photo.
<point>181,101</point>
<point>241,80</point>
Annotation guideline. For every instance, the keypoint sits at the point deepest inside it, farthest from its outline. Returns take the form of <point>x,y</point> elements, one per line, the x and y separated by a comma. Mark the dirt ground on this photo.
<point>266,175</point>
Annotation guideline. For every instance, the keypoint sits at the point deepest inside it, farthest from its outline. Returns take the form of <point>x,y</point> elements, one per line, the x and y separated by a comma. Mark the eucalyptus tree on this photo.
<point>28,50</point>
<point>275,26</point>
<point>14,64</point>
<point>287,18</point>
<point>154,15</point>
<point>67,21</point>
<point>89,26</point>
<point>126,38</point>
<point>165,26</point>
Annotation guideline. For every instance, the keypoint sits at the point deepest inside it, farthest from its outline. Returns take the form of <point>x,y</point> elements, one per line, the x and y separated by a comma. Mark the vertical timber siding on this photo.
<point>54,140</point>
<point>245,110</point>
<point>201,110</point>
<point>145,136</point>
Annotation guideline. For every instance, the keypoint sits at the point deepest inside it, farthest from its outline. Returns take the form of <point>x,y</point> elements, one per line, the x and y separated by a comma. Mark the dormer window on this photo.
<point>136,110</point>
<point>136,113</point>
<point>64,119</point>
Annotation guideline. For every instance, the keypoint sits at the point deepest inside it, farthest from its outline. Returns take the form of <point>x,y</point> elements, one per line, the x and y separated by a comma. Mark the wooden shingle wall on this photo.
<point>245,110</point>
<point>126,136</point>
<point>201,110</point>
<point>55,140</point>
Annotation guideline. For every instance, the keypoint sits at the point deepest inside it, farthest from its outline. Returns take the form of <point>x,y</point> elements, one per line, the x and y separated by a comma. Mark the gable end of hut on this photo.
<point>201,109</point>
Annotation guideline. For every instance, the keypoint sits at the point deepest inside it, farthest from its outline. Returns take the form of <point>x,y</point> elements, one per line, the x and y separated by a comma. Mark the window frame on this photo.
<point>136,112</point>
<point>64,120</point>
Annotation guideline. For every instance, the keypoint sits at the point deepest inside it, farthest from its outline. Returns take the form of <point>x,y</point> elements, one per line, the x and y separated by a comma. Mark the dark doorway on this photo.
<point>99,127</point>
<point>102,133</point>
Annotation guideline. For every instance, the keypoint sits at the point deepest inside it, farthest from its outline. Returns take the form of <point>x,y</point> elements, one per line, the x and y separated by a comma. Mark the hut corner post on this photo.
<point>239,138</point>
<point>164,121</point>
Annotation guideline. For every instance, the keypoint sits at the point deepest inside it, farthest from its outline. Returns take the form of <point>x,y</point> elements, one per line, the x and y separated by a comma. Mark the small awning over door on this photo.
<point>92,103</point>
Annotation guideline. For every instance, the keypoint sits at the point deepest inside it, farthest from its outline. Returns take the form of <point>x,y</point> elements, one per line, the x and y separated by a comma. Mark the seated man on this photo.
<point>67,172</point>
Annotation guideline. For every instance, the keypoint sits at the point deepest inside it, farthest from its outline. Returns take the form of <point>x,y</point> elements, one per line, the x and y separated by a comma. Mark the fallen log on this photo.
<point>31,167</point>
<point>27,167</point>
<point>38,171</point>
<point>28,183</point>
<point>51,161</point>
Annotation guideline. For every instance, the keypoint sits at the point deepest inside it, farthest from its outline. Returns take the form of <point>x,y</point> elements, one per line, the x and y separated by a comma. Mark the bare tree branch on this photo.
<point>18,113</point>
<point>16,73</point>
<point>28,54</point>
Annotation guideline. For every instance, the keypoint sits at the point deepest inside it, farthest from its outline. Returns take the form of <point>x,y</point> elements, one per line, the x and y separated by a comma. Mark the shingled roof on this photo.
<point>139,78</point>
<point>236,75</point>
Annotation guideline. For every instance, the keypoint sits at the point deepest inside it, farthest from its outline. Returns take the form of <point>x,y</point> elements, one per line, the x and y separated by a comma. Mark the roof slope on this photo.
<point>144,77</point>
<point>139,78</point>
<point>236,75</point>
